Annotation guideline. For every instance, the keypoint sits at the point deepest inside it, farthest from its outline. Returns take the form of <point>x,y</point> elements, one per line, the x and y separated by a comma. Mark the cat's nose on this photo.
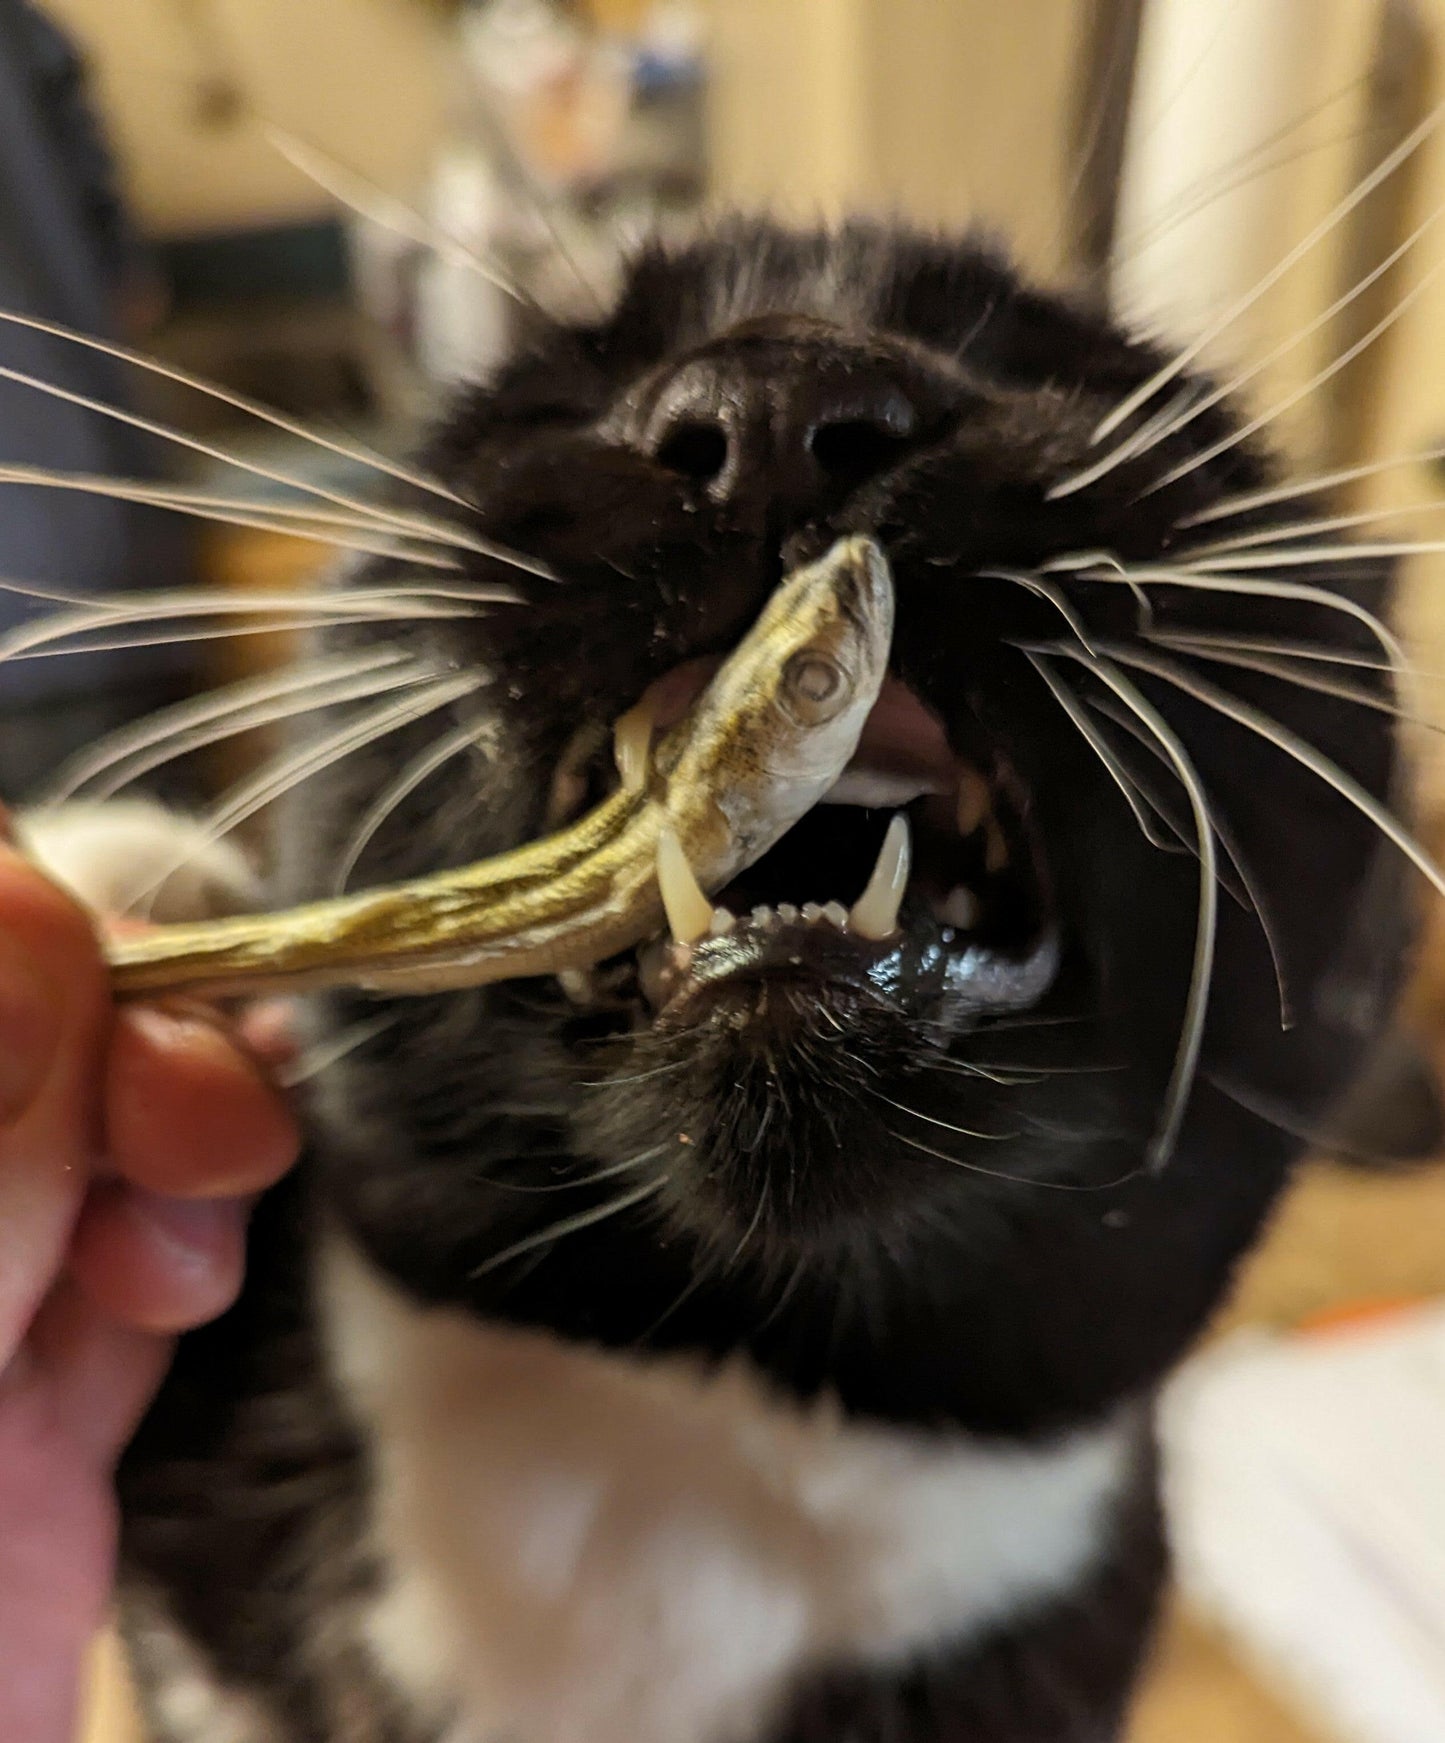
<point>791,437</point>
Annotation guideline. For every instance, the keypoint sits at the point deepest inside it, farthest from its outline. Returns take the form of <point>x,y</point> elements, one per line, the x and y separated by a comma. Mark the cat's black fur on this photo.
<point>1051,1275</point>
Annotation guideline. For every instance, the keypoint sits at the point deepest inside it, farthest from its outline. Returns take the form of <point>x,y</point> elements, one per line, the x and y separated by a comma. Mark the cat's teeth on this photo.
<point>723,921</point>
<point>689,913</point>
<point>577,984</point>
<point>960,908</point>
<point>875,914</point>
<point>974,801</point>
<point>812,912</point>
<point>632,746</point>
<point>787,913</point>
<point>837,914</point>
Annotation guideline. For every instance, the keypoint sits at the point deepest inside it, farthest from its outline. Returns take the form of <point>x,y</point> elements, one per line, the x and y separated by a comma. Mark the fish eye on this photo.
<point>813,689</point>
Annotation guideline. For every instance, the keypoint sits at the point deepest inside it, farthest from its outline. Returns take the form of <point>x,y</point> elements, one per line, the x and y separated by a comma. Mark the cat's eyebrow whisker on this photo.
<point>397,791</point>
<point>1162,426</point>
<point>1291,744</point>
<point>368,199</point>
<point>125,755</point>
<point>1196,1007</point>
<point>570,1225</point>
<point>279,776</point>
<point>251,511</point>
<point>1319,484</point>
<point>1361,191</point>
<point>168,433</point>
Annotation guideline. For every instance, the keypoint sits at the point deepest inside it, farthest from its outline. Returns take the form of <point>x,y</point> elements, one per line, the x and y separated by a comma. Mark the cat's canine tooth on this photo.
<point>689,913</point>
<point>632,746</point>
<point>722,922</point>
<point>577,984</point>
<point>837,914</point>
<point>875,914</point>
<point>974,801</point>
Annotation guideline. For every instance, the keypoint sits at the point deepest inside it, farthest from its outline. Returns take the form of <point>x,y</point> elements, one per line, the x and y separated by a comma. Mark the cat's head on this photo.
<point>1141,941</point>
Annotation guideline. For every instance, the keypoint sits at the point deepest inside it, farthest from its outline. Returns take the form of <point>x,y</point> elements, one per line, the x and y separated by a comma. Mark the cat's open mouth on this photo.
<point>920,873</point>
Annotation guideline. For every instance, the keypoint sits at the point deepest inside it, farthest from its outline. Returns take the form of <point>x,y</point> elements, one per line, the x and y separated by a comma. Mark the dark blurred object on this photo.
<point>1393,1114</point>
<point>67,255</point>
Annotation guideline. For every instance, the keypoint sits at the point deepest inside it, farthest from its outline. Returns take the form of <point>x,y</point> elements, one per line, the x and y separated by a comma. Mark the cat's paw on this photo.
<point>132,856</point>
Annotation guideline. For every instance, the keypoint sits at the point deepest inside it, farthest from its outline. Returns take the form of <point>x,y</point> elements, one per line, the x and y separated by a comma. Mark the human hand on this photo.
<point>131,1142</point>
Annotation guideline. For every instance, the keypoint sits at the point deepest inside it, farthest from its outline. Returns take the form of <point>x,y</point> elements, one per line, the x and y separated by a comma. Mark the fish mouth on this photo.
<point>919,879</point>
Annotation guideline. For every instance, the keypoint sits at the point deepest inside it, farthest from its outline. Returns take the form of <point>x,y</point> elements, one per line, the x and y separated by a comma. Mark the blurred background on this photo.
<point>333,205</point>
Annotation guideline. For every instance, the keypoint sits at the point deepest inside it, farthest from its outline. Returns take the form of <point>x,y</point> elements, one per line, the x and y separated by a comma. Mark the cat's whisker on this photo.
<point>1163,426</point>
<point>1248,893</point>
<point>298,518</point>
<point>1252,163</point>
<point>1298,749</point>
<point>397,791</point>
<point>570,1225</point>
<point>293,523</point>
<point>1201,649</point>
<point>1306,556</point>
<point>278,610</point>
<point>1209,581</point>
<point>946,1125</point>
<point>1138,801</point>
<point>1018,1179</point>
<point>1316,381</point>
<point>356,452</point>
<point>1295,650</point>
<point>1191,1035</point>
<point>286,625</point>
<point>314,1060</point>
<point>281,775</point>
<point>166,432</point>
<point>1291,531</point>
<point>1337,214</point>
<point>132,751</point>
<point>1321,483</point>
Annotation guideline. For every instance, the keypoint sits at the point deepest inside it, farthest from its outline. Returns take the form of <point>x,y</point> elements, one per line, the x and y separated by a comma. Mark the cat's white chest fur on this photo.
<point>588,1548</point>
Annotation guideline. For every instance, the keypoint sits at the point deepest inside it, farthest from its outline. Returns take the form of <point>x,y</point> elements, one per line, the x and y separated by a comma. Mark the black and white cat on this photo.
<point>768,1354</point>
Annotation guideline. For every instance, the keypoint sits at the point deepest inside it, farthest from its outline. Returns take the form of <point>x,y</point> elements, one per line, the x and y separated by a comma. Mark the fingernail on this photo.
<point>29,1029</point>
<point>196,1229</point>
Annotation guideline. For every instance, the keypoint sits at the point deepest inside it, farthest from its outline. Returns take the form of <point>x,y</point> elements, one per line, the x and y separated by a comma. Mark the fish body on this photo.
<point>766,739</point>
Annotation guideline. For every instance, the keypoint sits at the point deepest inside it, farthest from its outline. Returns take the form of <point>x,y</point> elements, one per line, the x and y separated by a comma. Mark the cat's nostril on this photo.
<point>856,448</point>
<point>695,449</point>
